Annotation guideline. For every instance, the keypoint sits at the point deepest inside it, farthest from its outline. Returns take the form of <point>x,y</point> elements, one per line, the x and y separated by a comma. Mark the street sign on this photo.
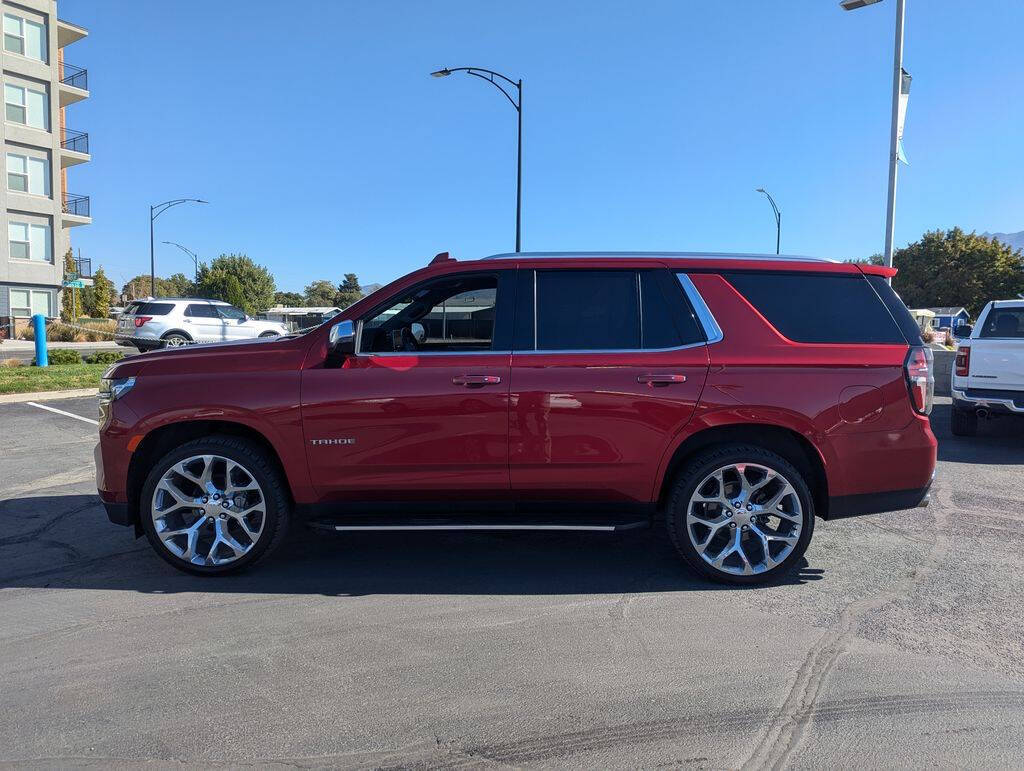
<point>70,276</point>
<point>76,284</point>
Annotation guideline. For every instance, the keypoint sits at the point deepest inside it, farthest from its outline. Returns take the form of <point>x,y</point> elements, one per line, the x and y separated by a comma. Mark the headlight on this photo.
<point>112,389</point>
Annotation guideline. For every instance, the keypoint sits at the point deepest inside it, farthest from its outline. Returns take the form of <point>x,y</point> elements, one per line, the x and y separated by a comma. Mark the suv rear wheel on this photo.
<point>214,506</point>
<point>740,514</point>
<point>175,340</point>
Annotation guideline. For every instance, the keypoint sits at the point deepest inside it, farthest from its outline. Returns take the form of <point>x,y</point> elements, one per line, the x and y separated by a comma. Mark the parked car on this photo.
<point>988,373</point>
<point>726,397</point>
<point>171,322</point>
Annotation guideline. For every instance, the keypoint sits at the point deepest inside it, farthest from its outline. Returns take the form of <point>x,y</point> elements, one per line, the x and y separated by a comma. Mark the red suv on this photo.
<point>733,397</point>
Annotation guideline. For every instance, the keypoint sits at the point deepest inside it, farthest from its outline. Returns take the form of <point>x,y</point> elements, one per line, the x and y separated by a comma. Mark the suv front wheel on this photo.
<point>214,505</point>
<point>740,514</point>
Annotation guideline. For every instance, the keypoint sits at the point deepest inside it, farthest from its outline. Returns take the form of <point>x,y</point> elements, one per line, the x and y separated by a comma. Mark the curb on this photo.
<point>38,396</point>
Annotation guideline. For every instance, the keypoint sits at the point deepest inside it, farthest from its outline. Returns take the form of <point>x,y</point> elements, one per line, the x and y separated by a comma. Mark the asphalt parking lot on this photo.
<point>899,642</point>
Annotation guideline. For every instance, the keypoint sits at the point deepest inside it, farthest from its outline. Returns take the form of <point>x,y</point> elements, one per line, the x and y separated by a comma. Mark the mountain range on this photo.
<point>1015,240</point>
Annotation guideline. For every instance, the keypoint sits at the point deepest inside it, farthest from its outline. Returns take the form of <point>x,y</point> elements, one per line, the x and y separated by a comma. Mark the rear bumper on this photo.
<point>996,402</point>
<point>840,507</point>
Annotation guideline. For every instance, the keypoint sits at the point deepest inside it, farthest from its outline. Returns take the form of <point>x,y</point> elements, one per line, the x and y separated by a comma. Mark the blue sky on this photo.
<point>324,147</point>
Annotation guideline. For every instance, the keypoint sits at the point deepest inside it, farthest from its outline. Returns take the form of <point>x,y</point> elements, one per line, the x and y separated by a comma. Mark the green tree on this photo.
<point>349,291</point>
<point>321,293</point>
<point>102,294</point>
<point>289,299</point>
<point>138,287</point>
<point>954,268</point>
<point>71,301</point>
<point>182,285</point>
<point>254,292</point>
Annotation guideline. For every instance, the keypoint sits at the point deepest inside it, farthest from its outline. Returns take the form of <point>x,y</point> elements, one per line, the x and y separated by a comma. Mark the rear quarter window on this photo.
<point>819,307</point>
<point>154,309</point>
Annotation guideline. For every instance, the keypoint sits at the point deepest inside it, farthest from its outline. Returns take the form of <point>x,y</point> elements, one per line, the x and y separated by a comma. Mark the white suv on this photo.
<point>175,321</point>
<point>988,374</point>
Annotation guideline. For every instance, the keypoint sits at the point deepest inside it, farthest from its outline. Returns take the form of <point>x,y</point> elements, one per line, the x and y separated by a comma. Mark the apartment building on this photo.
<point>40,145</point>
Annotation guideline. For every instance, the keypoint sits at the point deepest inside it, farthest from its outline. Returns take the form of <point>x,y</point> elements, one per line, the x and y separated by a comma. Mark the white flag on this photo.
<point>901,114</point>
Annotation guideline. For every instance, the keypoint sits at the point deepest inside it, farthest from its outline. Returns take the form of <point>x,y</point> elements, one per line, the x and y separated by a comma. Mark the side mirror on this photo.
<point>964,330</point>
<point>343,338</point>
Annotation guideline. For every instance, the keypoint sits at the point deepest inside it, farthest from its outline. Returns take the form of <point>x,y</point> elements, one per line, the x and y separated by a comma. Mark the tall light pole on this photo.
<point>490,76</point>
<point>154,212</point>
<point>778,218</point>
<point>897,79</point>
<point>190,253</point>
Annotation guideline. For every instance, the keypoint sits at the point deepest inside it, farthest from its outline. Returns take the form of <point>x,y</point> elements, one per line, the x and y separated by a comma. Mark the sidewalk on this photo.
<point>29,345</point>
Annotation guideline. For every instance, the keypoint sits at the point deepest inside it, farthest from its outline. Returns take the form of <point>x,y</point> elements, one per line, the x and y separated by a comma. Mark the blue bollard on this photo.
<point>39,326</point>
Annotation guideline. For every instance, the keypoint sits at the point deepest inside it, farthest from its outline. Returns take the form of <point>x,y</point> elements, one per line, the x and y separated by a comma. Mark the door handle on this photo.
<point>476,380</point>
<point>656,380</point>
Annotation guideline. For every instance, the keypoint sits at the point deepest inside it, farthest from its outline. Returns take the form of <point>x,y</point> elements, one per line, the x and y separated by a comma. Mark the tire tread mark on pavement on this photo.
<point>566,744</point>
<point>786,731</point>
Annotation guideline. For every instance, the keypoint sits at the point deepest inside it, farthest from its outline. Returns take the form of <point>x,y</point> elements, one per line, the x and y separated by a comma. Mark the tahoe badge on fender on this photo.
<point>341,440</point>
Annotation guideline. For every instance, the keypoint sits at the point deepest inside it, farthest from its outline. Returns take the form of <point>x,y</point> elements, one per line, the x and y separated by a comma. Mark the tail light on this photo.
<point>920,378</point>
<point>140,320</point>
<point>963,361</point>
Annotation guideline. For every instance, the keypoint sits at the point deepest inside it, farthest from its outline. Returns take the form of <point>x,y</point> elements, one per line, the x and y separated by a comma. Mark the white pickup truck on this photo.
<point>988,374</point>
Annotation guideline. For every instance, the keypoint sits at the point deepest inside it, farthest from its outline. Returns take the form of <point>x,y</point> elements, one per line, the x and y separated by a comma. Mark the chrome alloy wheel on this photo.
<point>208,510</point>
<point>744,519</point>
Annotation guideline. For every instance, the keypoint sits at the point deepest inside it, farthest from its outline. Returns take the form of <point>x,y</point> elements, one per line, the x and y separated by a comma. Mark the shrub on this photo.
<point>64,356</point>
<point>104,357</point>
<point>64,333</point>
<point>928,336</point>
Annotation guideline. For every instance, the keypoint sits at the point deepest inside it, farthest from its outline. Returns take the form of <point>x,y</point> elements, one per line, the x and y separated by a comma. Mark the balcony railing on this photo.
<point>76,141</point>
<point>83,267</point>
<point>77,205</point>
<point>76,77</point>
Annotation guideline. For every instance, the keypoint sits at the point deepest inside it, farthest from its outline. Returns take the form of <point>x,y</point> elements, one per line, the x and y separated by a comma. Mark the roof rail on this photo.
<point>649,255</point>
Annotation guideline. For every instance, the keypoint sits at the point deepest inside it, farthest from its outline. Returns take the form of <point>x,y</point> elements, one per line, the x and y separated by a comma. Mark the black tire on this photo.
<point>963,423</point>
<point>707,462</point>
<point>256,460</point>
<point>175,340</point>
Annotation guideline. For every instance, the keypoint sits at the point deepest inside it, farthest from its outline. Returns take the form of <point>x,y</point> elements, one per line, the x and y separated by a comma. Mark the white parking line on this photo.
<point>66,414</point>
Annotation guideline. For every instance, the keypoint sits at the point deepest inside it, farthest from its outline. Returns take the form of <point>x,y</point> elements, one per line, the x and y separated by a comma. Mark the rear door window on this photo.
<point>201,310</point>
<point>587,310</point>
<point>667,321</point>
<point>819,307</point>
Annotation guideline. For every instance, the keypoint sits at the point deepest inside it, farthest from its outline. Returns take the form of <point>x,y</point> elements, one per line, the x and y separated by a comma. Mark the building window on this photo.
<point>26,302</point>
<point>26,174</point>
<point>27,106</point>
<point>24,37</point>
<point>29,241</point>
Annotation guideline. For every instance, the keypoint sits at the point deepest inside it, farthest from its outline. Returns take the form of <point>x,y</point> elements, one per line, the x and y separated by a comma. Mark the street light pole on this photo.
<point>778,218</point>
<point>489,76</point>
<point>154,212</point>
<point>190,253</point>
<point>897,77</point>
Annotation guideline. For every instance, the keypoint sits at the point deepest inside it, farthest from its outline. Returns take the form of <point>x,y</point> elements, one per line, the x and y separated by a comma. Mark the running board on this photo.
<point>350,524</point>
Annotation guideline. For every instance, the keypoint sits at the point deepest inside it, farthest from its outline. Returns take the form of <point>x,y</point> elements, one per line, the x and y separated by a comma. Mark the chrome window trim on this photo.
<point>712,331</point>
<point>611,350</point>
<point>432,353</point>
